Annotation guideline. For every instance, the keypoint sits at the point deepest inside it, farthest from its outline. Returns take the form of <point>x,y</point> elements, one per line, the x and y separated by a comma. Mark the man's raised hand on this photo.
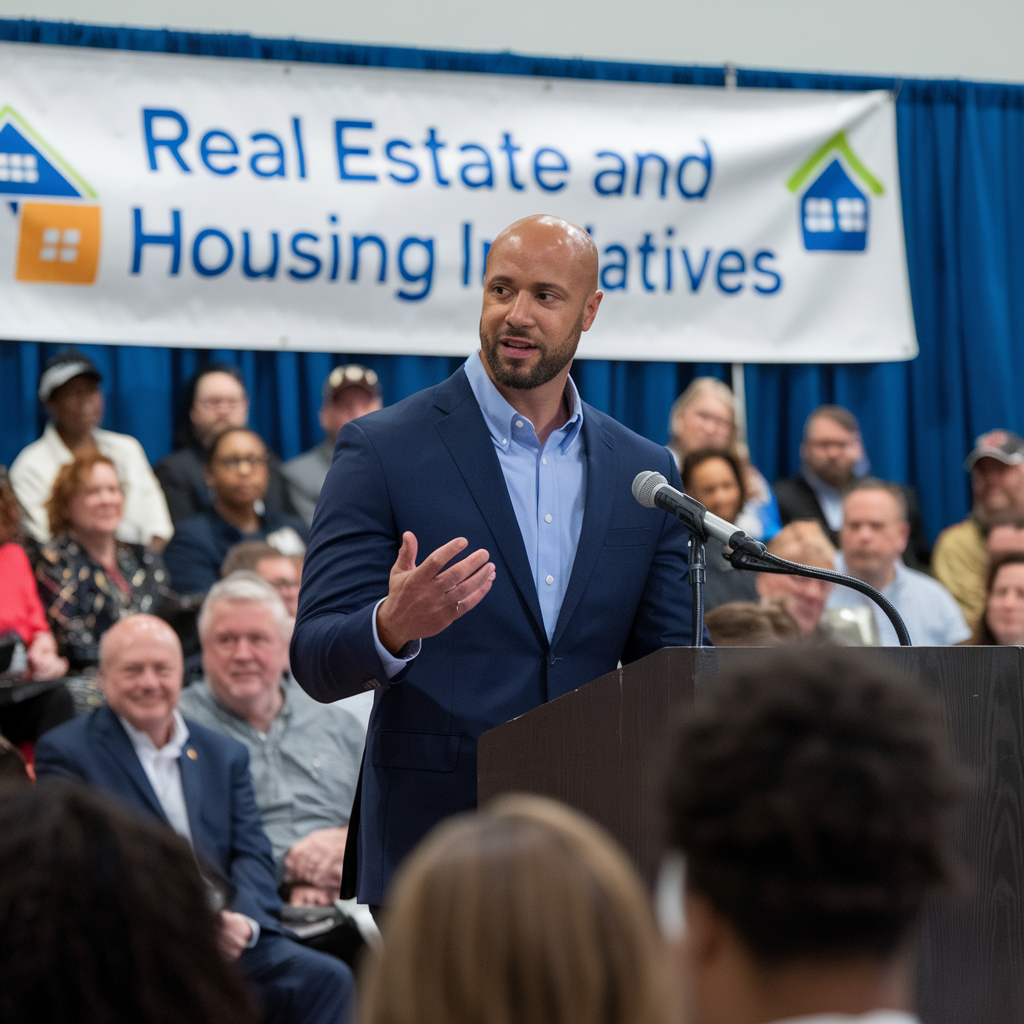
<point>424,599</point>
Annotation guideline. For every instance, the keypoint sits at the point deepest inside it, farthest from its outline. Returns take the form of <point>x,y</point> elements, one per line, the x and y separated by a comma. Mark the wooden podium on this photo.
<point>600,749</point>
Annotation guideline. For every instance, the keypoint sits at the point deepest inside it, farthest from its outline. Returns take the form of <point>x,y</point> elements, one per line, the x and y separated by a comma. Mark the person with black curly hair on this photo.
<point>105,917</point>
<point>809,806</point>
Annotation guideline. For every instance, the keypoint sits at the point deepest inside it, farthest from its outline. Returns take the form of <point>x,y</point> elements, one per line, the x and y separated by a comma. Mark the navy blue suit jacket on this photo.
<point>222,813</point>
<point>428,465</point>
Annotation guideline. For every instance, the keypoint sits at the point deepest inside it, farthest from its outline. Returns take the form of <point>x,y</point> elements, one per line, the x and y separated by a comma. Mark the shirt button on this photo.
<point>547,518</point>
<point>504,440</point>
<point>549,580</point>
<point>544,461</point>
<point>519,423</point>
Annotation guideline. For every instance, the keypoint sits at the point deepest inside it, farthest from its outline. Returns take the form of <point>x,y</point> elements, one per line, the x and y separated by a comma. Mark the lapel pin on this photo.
<point>192,754</point>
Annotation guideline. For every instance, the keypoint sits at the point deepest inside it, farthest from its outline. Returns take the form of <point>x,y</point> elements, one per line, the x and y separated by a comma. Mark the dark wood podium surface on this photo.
<point>600,749</point>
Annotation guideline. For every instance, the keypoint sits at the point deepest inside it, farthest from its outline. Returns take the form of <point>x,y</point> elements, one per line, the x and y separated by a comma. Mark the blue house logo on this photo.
<point>834,211</point>
<point>29,167</point>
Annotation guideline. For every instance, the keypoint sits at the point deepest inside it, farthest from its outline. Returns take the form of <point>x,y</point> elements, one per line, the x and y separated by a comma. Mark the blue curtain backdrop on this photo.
<point>961,154</point>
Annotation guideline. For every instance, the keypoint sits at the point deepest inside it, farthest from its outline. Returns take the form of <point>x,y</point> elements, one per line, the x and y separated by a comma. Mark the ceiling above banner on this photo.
<point>170,200</point>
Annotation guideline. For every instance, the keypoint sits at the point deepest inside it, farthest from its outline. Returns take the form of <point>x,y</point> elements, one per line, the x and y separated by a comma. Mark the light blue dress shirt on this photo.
<point>547,484</point>
<point>829,498</point>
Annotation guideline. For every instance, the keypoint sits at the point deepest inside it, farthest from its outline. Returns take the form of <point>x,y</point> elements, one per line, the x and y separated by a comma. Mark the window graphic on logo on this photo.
<point>834,211</point>
<point>59,243</point>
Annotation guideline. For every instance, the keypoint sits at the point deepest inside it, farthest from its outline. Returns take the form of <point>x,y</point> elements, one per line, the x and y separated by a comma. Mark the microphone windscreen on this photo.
<point>645,485</point>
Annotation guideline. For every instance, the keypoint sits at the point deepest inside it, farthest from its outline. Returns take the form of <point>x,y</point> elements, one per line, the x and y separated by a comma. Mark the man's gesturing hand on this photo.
<point>422,599</point>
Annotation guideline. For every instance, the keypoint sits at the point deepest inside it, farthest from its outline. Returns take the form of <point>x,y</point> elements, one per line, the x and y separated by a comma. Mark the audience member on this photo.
<point>873,536</point>
<point>141,750</point>
<point>304,756</point>
<point>69,387</point>
<point>282,572</point>
<point>809,801</point>
<point>32,696</point>
<point>996,466</point>
<point>87,578</point>
<point>1002,621</point>
<point>215,400</point>
<point>104,917</point>
<point>704,416</point>
<point>237,473</point>
<point>746,624</point>
<point>714,476</point>
<point>348,393</point>
<point>524,912</point>
<point>832,457</point>
<point>1005,534</point>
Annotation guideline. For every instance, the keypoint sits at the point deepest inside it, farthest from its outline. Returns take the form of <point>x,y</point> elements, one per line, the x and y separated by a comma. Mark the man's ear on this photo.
<point>904,536</point>
<point>590,309</point>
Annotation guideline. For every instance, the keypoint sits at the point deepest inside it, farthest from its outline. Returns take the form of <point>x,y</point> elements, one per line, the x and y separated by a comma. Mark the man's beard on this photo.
<point>549,366</point>
<point>834,473</point>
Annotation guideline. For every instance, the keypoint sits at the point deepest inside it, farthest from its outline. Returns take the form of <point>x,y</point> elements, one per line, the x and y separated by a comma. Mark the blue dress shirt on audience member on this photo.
<point>237,472</point>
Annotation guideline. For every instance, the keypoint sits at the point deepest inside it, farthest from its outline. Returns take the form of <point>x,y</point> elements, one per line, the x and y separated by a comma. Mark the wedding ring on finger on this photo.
<point>458,607</point>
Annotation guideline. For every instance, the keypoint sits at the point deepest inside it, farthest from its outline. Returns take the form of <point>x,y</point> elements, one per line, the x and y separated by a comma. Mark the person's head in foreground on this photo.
<point>1002,622</point>
<point>810,795</point>
<point>524,912</point>
<point>746,624</point>
<point>104,917</point>
<point>282,572</point>
<point>802,541</point>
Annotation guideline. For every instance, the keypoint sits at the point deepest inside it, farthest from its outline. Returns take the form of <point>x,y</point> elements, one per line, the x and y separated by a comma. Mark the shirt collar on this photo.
<point>819,486</point>
<point>143,743</point>
<point>500,416</point>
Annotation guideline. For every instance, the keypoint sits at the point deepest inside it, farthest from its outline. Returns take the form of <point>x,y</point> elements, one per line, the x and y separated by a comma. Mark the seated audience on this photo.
<point>810,796</point>
<point>832,457</point>
<point>714,476</point>
<point>746,624</point>
<point>104,917</point>
<point>304,756</point>
<point>32,696</point>
<point>960,562</point>
<point>237,474</point>
<point>1002,622</point>
<point>348,393</point>
<point>523,912</point>
<point>282,572</point>
<point>704,416</point>
<point>87,578</point>
<point>872,538</point>
<point>69,387</point>
<point>1005,534</point>
<point>141,750</point>
<point>805,542</point>
<point>215,400</point>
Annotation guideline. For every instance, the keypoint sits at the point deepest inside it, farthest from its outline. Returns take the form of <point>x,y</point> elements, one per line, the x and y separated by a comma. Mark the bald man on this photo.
<point>140,750</point>
<point>477,551</point>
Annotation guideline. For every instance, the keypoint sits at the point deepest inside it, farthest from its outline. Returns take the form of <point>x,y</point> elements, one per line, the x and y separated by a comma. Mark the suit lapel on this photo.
<point>465,434</point>
<point>192,787</point>
<point>602,466</point>
<point>123,754</point>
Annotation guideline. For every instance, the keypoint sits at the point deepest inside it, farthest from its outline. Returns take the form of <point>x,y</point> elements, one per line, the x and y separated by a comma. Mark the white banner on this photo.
<point>169,200</point>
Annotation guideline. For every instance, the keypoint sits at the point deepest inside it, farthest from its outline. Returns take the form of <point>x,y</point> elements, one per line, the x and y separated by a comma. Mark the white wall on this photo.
<point>978,39</point>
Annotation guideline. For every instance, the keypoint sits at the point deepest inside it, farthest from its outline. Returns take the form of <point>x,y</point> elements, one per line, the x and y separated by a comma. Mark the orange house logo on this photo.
<point>59,238</point>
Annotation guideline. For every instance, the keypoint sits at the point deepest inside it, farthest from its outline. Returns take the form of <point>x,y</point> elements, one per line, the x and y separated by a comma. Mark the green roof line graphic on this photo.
<point>55,157</point>
<point>838,141</point>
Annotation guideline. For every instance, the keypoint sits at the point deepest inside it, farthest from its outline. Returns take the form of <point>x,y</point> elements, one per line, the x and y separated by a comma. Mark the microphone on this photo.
<point>652,490</point>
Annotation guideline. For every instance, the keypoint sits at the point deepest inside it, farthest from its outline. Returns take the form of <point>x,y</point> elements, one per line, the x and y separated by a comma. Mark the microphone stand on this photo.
<point>767,562</point>
<point>698,577</point>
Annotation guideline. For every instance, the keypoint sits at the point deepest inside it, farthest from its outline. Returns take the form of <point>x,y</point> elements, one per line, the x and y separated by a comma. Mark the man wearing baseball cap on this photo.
<point>349,392</point>
<point>960,558</point>
<point>69,388</point>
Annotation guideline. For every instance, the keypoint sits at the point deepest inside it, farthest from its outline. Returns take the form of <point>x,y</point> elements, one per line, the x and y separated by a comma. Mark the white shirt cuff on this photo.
<point>392,664</point>
<point>255,926</point>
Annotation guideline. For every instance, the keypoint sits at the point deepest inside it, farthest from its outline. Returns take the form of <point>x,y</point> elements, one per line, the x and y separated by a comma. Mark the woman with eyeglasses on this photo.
<point>215,399</point>
<point>87,578</point>
<point>237,473</point>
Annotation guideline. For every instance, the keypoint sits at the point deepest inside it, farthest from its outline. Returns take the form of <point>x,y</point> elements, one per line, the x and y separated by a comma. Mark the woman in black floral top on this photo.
<point>87,578</point>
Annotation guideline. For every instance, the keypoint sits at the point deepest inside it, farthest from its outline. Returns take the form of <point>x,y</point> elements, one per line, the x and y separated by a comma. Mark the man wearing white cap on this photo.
<point>348,393</point>
<point>69,387</point>
<point>960,558</point>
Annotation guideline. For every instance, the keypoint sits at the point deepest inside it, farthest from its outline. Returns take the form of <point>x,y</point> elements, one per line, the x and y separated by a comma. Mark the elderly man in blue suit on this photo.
<point>140,750</point>
<point>567,573</point>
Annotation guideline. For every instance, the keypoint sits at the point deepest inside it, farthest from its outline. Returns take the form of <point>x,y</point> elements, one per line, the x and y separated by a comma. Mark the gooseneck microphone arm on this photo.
<point>654,491</point>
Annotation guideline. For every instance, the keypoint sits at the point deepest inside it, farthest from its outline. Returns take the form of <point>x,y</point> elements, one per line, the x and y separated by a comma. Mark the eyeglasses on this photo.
<point>282,584</point>
<point>225,403</point>
<point>234,462</point>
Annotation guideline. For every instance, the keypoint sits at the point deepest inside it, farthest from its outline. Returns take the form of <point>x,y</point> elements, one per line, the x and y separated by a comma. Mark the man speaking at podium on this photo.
<point>567,574</point>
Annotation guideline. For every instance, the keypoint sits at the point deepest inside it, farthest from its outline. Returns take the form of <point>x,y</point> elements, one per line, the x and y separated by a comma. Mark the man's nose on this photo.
<point>521,311</point>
